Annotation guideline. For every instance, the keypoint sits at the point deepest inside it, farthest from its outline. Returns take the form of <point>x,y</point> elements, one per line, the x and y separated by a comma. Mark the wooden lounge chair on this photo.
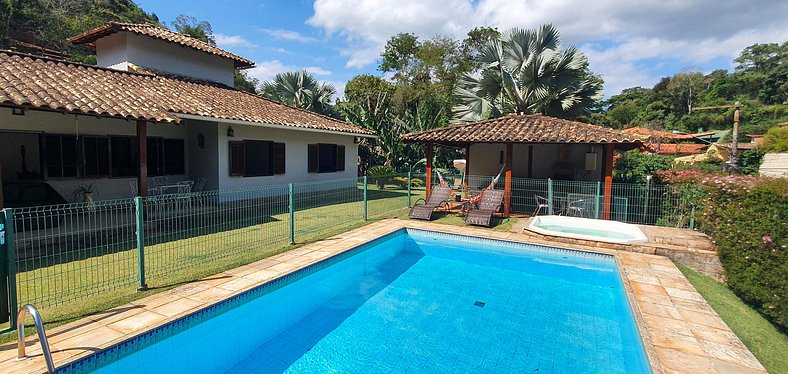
<point>438,198</point>
<point>482,212</point>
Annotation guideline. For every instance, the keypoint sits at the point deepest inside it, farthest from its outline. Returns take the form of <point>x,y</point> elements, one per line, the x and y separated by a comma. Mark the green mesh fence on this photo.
<point>59,255</point>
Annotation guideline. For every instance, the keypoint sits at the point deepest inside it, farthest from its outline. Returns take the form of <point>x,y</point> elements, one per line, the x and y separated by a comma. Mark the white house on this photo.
<point>158,103</point>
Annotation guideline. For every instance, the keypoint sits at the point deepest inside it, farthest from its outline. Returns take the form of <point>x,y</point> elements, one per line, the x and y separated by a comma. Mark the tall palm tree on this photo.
<point>301,90</point>
<point>525,71</point>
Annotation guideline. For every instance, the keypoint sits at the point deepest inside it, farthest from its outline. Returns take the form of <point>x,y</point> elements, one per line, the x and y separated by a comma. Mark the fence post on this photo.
<point>140,214</point>
<point>645,200</point>
<point>550,196</point>
<point>8,304</point>
<point>692,219</point>
<point>365,198</point>
<point>291,208</point>
<point>409,177</point>
<point>596,199</point>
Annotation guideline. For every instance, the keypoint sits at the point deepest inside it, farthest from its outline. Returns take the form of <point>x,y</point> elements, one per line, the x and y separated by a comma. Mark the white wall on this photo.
<point>119,49</point>
<point>485,160</point>
<point>295,155</point>
<point>203,161</point>
<point>55,123</point>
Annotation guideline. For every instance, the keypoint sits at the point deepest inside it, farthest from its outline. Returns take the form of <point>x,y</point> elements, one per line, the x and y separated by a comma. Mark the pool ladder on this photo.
<point>42,335</point>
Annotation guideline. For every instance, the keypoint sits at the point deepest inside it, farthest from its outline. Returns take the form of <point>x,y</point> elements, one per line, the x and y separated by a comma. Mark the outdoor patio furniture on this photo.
<point>481,214</point>
<point>541,203</point>
<point>581,205</point>
<point>199,184</point>
<point>135,189</point>
<point>438,198</point>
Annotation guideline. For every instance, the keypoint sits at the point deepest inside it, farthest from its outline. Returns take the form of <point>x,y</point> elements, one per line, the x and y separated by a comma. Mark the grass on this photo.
<point>68,291</point>
<point>72,290</point>
<point>763,339</point>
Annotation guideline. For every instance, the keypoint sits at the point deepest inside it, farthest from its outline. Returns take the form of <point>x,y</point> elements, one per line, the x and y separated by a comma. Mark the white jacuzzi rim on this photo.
<point>628,228</point>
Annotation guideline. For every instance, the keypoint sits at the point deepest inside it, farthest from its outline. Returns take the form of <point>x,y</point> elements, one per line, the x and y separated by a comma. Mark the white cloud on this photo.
<point>615,34</point>
<point>267,70</point>
<point>316,70</point>
<point>225,41</point>
<point>289,35</point>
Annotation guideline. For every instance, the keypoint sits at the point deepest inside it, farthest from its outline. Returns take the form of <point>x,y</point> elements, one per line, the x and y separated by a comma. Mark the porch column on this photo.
<point>429,169</point>
<point>507,189</point>
<point>467,168</point>
<point>608,173</point>
<point>142,162</point>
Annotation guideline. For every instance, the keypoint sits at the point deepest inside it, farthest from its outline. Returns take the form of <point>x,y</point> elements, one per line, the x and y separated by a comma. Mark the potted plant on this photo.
<point>86,191</point>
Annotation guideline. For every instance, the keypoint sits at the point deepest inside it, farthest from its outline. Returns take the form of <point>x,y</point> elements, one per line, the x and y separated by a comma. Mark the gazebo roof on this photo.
<point>522,128</point>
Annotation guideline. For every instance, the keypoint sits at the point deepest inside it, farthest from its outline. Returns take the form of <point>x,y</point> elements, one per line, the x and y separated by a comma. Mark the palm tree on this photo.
<point>301,90</point>
<point>525,71</point>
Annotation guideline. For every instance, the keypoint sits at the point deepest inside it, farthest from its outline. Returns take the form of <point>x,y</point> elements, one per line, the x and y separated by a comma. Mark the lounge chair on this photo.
<point>438,198</point>
<point>482,212</point>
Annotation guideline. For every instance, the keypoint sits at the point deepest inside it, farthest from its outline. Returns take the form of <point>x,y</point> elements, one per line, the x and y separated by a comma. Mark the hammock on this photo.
<point>477,198</point>
<point>444,184</point>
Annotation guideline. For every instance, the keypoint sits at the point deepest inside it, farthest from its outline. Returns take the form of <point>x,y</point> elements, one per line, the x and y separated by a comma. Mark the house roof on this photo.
<point>522,128</point>
<point>645,133</point>
<point>676,149</point>
<point>740,145</point>
<point>57,85</point>
<point>157,32</point>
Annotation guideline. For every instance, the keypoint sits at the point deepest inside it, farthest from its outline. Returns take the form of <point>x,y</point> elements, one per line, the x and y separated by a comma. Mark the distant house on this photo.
<point>672,143</point>
<point>774,165</point>
<point>158,103</point>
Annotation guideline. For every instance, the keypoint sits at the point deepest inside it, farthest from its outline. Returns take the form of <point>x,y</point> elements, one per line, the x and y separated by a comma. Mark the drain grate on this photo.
<point>480,304</point>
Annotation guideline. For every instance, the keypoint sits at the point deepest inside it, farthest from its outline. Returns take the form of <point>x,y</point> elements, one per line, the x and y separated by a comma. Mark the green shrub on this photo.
<point>380,175</point>
<point>634,166</point>
<point>402,182</point>
<point>747,217</point>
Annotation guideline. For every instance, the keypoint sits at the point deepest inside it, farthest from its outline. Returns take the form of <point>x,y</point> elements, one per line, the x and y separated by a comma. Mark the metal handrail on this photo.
<point>42,335</point>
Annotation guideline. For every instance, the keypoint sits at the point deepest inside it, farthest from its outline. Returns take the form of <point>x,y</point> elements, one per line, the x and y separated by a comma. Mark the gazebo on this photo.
<point>532,146</point>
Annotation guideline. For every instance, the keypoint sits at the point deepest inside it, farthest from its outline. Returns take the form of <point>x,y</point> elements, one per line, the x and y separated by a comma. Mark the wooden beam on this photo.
<point>429,169</point>
<point>507,202</point>
<point>608,174</point>
<point>467,169</point>
<point>142,161</point>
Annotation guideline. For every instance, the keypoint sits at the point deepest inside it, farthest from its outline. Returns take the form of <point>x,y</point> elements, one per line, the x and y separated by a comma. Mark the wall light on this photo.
<point>230,132</point>
<point>356,139</point>
<point>201,140</point>
<point>18,111</point>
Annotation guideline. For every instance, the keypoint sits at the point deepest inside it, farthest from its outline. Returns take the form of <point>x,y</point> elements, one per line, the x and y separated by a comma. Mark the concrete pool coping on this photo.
<point>680,331</point>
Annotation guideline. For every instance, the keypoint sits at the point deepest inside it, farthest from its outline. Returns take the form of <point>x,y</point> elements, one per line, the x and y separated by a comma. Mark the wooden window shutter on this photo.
<point>279,158</point>
<point>340,158</point>
<point>313,164</point>
<point>237,159</point>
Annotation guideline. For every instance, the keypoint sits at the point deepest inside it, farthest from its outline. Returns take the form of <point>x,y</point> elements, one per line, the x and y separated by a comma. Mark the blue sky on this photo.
<point>631,43</point>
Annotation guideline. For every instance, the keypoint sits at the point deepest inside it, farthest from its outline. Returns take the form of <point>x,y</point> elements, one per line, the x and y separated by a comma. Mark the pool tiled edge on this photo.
<point>681,332</point>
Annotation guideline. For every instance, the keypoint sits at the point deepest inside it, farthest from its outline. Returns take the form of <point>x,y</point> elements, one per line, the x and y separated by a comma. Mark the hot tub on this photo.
<point>587,229</point>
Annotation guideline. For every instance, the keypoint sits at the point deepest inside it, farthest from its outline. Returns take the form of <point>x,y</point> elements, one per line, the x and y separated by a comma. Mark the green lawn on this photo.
<point>767,343</point>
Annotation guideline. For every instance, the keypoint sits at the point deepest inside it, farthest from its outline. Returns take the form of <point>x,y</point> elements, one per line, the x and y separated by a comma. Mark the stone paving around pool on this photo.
<point>681,332</point>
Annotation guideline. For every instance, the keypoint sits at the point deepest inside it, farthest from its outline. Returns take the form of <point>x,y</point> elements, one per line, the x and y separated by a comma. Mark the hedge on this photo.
<point>747,217</point>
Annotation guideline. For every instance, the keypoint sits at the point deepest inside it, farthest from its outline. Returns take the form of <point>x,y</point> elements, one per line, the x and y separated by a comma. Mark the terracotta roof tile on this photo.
<point>42,83</point>
<point>532,128</point>
<point>648,133</point>
<point>89,38</point>
<point>676,149</point>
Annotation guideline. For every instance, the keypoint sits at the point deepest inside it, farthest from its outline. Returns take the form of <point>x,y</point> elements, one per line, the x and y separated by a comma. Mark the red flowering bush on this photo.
<point>747,217</point>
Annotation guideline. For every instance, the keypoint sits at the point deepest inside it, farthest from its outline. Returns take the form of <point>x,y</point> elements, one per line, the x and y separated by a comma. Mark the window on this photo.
<point>256,158</point>
<point>123,158</point>
<point>95,157</point>
<point>325,158</point>
<point>165,156</point>
<point>61,156</point>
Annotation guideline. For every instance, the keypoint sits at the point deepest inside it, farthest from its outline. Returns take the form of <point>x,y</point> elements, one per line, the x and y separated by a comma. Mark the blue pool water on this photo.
<point>413,301</point>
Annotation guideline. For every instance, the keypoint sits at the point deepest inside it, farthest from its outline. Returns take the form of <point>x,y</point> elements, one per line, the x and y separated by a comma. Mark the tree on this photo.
<point>525,71</point>
<point>776,139</point>
<point>762,58</point>
<point>188,25</point>
<point>686,86</point>
<point>301,90</point>
<point>634,166</point>
<point>244,82</point>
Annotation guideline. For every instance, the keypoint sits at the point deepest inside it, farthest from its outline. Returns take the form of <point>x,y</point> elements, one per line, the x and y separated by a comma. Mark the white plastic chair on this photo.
<point>541,203</point>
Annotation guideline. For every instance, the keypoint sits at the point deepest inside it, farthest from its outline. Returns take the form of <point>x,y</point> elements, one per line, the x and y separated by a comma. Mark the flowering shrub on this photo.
<point>747,217</point>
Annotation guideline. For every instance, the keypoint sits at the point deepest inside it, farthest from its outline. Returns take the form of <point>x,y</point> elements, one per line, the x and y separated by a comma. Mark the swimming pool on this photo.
<point>588,229</point>
<point>411,301</point>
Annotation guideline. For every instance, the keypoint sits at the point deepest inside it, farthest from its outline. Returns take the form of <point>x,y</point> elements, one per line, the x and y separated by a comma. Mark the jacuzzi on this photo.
<point>587,229</point>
